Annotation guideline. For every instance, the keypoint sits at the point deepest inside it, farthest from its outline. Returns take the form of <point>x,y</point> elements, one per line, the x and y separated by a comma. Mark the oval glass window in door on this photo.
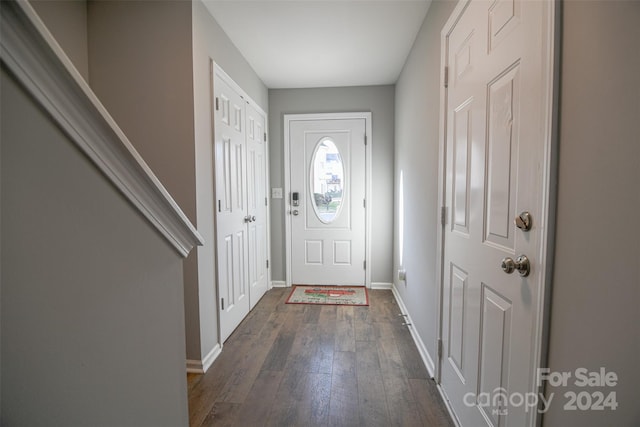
<point>327,181</point>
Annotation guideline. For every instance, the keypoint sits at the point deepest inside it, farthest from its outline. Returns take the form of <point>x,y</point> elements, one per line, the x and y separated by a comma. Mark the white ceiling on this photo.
<point>322,43</point>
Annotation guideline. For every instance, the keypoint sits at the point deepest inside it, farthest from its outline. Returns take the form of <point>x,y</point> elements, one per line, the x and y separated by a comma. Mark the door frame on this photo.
<point>288,118</point>
<point>549,181</point>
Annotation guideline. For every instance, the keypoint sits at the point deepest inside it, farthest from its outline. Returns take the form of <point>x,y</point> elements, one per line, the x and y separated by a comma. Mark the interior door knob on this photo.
<point>521,264</point>
<point>253,218</point>
<point>295,212</point>
<point>508,265</point>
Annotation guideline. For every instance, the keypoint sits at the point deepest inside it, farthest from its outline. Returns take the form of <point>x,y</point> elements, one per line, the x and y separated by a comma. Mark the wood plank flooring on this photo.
<point>317,365</point>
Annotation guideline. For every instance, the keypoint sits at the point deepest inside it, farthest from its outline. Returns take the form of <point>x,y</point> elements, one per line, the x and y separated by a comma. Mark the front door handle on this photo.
<point>521,264</point>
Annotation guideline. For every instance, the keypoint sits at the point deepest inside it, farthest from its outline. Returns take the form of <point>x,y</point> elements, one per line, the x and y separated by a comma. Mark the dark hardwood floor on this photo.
<point>318,365</point>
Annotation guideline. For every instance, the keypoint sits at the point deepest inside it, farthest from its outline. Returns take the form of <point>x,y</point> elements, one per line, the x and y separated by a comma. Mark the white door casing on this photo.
<point>327,231</point>
<point>256,203</point>
<point>495,164</point>
<point>242,244</point>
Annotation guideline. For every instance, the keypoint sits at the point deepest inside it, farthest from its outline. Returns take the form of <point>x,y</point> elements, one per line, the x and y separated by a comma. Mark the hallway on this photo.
<point>293,365</point>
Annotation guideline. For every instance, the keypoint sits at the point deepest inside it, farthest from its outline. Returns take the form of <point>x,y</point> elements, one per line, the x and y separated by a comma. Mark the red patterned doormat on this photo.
<point>331,295</point>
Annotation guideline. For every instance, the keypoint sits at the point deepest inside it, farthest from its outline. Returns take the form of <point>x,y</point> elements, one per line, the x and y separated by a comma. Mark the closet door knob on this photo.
<point>521,264</point>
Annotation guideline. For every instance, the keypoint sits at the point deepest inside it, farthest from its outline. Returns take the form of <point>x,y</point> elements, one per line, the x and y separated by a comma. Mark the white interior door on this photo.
<point>231,194</point>
<point>256,203</point>
<point>327,201</point>
<point>498,61</point>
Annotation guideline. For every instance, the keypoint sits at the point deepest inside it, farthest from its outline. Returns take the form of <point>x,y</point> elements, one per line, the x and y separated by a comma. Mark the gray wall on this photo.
<point>379,100</point>
<point>210,43</point>
<point>67,21</point>
<point>148,63</point>
<point>595,318</point>
<point>416,153</point>
<point>92,305</point>
<point>140,67</point>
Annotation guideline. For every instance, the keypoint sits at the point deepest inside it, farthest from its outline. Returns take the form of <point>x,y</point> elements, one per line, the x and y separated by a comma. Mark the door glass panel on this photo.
<point>327,181</point>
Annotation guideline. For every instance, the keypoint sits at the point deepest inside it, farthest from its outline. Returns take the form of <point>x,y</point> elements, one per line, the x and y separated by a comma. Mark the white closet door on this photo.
<point>256,203</point>
<point>231,195</point>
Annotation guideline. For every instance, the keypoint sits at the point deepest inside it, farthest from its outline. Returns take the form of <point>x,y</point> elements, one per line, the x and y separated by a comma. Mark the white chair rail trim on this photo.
<point>36,60</point>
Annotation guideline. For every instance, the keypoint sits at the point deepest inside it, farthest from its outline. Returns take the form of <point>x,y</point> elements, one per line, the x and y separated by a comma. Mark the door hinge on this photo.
<point>364,264</point>
<point>365,139</point>
<point>267,263</point>
<point>439,348</point>
<point>222,302</point>
<point>446,76</point>
<point>217,104</point>
<point>266,203</point>
<point>443,215</point>
<point>364,203</point>
<point>265,137</point>
<point>219,205</point>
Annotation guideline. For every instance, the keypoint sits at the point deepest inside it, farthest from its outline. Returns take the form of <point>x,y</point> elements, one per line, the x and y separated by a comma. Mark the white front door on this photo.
<point>256,203</point>
<point>231,195</point>
<point>327,201</point>
<point>497,133</point>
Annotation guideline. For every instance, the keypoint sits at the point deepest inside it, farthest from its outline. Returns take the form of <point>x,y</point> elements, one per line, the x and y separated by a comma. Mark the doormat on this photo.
<point>331,295</point>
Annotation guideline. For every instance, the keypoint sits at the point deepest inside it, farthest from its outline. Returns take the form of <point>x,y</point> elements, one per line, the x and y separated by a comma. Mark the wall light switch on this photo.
<point>276,193</point>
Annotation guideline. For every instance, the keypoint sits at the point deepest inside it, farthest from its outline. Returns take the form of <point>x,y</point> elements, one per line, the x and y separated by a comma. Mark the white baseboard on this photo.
<point>381,285</point>
<point>201,366</point>
<point>278,284</point>
<point>424,354</point>
<point>422,349</point>
<point>194,366</point>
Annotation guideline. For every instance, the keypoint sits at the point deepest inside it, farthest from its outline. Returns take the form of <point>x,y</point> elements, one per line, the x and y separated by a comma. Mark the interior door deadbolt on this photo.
<point>524,221</point>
